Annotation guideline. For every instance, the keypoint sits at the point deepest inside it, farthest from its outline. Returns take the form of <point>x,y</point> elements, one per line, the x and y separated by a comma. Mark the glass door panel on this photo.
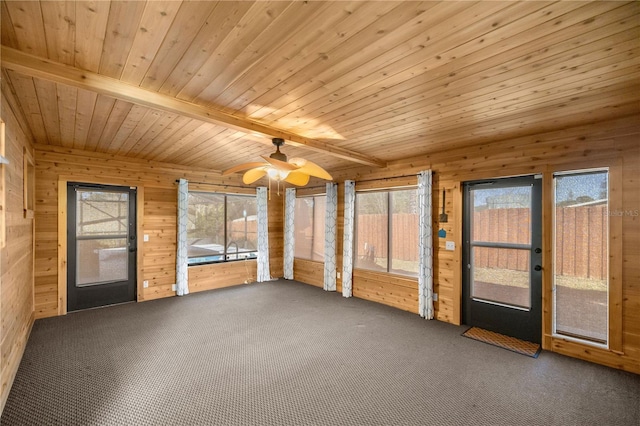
<point>502,239</point>
<point>501,276</point>
<point>102,234</point>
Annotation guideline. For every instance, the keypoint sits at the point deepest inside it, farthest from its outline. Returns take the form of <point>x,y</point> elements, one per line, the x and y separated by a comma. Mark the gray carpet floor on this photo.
<point>284,353</point>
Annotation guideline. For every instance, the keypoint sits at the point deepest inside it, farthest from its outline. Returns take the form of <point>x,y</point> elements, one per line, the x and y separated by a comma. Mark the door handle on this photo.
<point>537,268</point>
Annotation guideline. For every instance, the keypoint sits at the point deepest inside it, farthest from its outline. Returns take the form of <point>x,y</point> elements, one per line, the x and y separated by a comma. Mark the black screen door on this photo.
<point>101,245</point>
<point>502,273</point>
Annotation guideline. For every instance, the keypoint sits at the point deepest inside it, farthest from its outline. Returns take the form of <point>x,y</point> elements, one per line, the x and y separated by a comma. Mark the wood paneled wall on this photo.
<point>611,143</point>
<point>16,254</point>
<point>158,211</point>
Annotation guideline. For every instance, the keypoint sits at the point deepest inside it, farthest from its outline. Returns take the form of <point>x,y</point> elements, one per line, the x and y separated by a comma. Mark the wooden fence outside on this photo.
<point>581,239</point>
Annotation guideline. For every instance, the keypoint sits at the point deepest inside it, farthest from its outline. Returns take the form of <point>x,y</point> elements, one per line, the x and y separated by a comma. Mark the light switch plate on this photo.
<point>450,245</point>
<point>146,237</point>
<point>145,284</point>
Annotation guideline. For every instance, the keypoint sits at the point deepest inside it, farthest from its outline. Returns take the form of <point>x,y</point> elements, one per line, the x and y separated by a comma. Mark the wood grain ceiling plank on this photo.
<point>569,82</point>
<point>122,26</point>
<point>48,101</point>
<point>231,151</point>
<point>398,50</point>
<point>67,101</point>
<point>91,27</point>
<point>86,103</point>
<point>135,115</point>
<point>8,33</point>
<point>101,112</point>
<point>26,19</point>
<point>197,135</point>
<point>43,68</point>
<point>484,29</point>
<point>149,120</point>
<point>250,26</point>
<point>278,32</point>
<point>173,133</point>
<point>189,21</point>
<point>117,116</point>
<point>528,122</point>
<point>282,94</point>
<point>200,142</point>
<point>166,118</point>
<point>60,30</point>
<point>480,103</point>
<point>524,69</point>
<point>12,103</point>
<point>213,144</point>
<point>26,91</point>
<point>222,19</point>
<point>331,24</point>
<point>480,71</point>
<point>154,25</point>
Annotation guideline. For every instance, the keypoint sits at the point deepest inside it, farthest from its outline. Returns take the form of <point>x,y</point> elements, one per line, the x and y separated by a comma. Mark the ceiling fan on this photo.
<point>295,171</point>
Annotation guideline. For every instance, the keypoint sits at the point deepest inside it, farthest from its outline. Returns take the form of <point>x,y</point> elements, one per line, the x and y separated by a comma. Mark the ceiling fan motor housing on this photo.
<point>278,142</point>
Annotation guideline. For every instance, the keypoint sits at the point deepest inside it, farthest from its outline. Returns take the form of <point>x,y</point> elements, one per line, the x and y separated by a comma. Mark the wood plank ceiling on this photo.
<point>379,80</point>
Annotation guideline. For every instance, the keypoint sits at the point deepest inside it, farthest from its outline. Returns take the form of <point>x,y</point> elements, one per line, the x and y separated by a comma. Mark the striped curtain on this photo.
<point>289,237</point>
<point>425,250</point>
<point>330,231</point>
<point>263,235</point>
<point>182,259</point>
<point>347,242</point>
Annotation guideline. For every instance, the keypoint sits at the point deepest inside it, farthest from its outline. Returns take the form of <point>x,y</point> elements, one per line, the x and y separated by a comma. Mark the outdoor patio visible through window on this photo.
<point>221,227</point>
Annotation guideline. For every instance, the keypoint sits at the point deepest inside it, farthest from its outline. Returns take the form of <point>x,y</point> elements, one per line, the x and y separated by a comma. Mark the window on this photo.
<point>581,250</point>
<point>309,227</point>
<point>221,227</point>
<point>387,231</point>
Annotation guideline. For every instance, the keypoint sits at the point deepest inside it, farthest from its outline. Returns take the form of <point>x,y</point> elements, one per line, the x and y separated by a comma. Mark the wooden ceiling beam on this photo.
<point>54,71</point>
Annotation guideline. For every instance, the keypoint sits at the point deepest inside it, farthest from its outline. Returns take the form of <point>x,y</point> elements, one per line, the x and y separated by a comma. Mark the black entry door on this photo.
<point>101,245</point>
<point>502,273</point>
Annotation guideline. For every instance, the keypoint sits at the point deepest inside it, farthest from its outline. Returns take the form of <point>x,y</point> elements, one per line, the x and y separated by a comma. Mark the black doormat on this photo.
<point>506,342</point>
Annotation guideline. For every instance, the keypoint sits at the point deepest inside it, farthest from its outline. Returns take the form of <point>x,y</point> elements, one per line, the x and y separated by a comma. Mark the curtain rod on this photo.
<point>386,178</point>
<point>224,185</point>
<point>305,187</point>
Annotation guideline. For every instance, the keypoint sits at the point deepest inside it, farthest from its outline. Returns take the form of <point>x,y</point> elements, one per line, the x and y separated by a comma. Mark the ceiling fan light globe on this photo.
<point>276,174</point>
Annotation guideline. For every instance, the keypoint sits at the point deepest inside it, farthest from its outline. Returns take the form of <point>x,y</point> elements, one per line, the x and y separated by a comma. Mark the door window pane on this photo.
<point>101,213</point>
<point>501,275</point>
<point>101,260</point>
<point>309,227</point>
<point>581,253</point>
<point>502,215</point>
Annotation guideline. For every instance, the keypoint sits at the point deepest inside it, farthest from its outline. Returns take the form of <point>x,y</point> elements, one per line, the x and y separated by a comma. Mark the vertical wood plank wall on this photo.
<point>16,269</point>
<point>576,148</point>
<point>158,222</point>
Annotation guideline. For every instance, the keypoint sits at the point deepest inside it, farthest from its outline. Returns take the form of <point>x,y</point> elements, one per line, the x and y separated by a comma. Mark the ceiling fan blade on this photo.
<point>280,165</point>
<point>310,168</point>
<point>297,178</point>
<point>241,167</point>
<point>253,175</point>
